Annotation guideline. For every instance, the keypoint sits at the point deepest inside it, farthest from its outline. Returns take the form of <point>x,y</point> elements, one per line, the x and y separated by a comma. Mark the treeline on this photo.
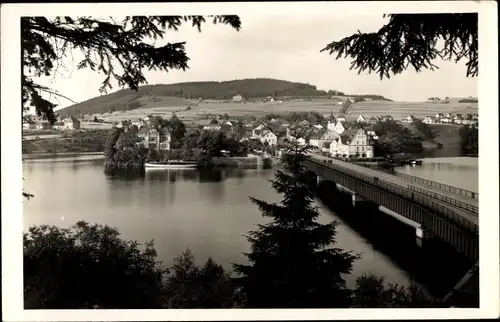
<point>359,97</point>
<point>468,100</point>
<point>294,117</point>
<point>469,139</point>
<point>248,88</point>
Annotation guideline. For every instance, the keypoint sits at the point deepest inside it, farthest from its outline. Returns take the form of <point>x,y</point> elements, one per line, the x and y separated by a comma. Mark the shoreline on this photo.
<point>43,155</point>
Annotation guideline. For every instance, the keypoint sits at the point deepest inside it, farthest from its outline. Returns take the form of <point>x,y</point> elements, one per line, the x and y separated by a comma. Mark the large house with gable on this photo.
<point>361,119</point>
<point>268,136</point>
<point>158,139</point>
<point>353,142</point>
<point>321,137</point>
<point>336,124</point>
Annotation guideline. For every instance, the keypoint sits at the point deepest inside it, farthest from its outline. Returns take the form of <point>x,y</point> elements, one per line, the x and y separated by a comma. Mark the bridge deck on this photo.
<point>467,214</point>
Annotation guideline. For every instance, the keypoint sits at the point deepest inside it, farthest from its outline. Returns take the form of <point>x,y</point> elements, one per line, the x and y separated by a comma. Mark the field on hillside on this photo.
<point>204,110</point>
<point>201,113</point>
<point>399,110</point>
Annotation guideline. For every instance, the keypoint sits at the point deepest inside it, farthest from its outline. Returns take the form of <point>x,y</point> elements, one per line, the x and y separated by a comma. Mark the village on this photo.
<point>337,137</point>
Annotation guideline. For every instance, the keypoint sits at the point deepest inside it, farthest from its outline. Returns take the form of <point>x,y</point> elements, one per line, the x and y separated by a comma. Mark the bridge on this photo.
<point>441,211</point>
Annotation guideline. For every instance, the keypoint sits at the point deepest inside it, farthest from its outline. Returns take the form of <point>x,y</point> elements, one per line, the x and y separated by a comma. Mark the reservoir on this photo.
<point>207,212</point>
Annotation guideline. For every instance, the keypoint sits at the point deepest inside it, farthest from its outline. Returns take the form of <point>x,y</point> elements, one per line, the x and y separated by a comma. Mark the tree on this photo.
<point>291,262</point>
<point>424,128</point>
<point>117,49</point>
<point>239,128</point>
<point>389,143</point>
<point>374,292</point>
<point>177,130</point>
<point>153,155</point>
<point>412,39</point>
<point>110,146</point>
<point>191,286</point>
<point>89,265</point>
<point>469,139</point>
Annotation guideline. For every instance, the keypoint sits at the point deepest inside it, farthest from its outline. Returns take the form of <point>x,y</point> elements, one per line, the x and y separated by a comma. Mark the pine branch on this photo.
<point>412,39</point>
<point>120,51</point>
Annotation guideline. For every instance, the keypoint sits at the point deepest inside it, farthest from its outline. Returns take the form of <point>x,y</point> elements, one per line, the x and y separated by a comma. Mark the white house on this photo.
<point>257,132</point>
<point>152,138</point>
<point>339,128</point>
<point>446,119</point>
<point>428,120</point>
<point>301,141</point>
<point>408,119</point>
<point>269,137</point>
<point>71,123</point>
<point>330,126</point>
<point>320,137</point>
<point>354,142</point>
<point>372,135</point>
<point>361,119</point>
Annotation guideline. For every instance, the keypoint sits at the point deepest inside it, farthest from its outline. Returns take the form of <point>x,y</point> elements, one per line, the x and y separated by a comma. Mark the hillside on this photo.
<point>182,95</point>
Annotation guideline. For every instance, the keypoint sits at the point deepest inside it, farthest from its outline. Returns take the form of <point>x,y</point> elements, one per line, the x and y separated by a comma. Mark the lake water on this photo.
<point>445,170</point>
<point>206,212</point>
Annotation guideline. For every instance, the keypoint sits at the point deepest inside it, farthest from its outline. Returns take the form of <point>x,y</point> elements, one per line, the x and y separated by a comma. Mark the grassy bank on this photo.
<point>447,134</point>
<point>243,162</point>
<point>69,142</point>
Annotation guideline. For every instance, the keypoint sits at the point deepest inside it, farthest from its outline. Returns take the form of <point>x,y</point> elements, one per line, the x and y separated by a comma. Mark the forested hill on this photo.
<point>177,94</point>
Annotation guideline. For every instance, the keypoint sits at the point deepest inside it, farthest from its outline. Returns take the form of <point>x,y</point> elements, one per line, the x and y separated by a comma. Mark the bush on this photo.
<point>90,266</point>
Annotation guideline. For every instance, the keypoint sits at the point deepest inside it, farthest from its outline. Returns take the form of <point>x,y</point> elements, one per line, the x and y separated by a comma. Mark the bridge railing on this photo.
<point>451,201</point>
<point>404,192</point>
<point>473,209</point>
<point>439,186</point>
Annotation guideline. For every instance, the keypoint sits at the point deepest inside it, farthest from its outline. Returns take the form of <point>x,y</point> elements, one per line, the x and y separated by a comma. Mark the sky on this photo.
<point>285,47</point>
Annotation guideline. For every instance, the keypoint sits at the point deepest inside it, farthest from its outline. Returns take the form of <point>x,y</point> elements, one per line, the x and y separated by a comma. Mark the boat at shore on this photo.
<point>171,165</point>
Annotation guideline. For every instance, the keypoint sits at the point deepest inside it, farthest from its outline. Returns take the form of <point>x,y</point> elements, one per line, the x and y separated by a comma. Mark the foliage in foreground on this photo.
<point>91,266</point>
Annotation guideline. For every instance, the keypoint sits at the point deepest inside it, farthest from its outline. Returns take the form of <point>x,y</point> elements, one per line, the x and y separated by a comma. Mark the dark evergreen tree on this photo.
<point>292,263</point>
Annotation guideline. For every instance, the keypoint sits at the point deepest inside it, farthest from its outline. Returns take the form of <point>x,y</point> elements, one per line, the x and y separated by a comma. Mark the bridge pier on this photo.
<point>422,235</point>
<point>356,199</point>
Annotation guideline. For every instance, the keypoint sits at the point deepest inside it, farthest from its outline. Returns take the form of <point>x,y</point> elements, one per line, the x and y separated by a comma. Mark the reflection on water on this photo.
<point>460,172</point>
<point>206,211</point>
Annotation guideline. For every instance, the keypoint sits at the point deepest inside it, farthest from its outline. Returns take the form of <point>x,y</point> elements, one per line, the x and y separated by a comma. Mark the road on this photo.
<point>466,214</point>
